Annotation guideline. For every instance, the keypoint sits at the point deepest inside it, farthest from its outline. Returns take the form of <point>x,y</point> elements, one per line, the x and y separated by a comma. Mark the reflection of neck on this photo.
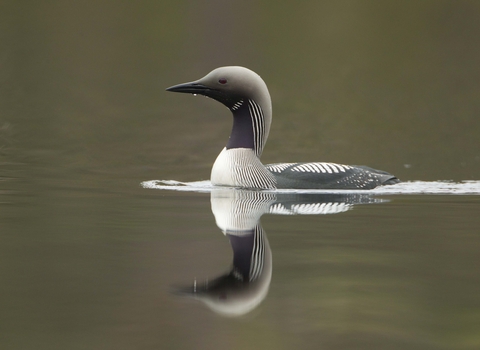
<point>242,255</point>
<point>248,253</point>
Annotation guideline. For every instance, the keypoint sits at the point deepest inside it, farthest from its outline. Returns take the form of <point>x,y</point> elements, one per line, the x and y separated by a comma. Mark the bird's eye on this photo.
<point>222,81</point>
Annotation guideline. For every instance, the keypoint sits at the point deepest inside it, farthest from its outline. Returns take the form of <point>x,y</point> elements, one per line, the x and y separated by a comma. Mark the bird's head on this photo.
<point>229,85</point>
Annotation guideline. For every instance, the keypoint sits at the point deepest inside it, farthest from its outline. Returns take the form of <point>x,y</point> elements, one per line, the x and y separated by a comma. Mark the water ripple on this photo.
<point>471,187</point>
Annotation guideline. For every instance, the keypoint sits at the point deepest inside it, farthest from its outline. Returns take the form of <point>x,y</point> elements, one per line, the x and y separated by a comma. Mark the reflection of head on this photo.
<point>246,285</point>
<point>237,214</point>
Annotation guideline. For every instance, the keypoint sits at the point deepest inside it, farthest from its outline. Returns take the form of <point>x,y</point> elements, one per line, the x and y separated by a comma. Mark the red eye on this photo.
<point>222,81</point>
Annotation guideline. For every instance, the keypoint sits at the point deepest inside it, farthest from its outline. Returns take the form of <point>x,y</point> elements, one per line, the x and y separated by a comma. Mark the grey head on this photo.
<point>246,95</point>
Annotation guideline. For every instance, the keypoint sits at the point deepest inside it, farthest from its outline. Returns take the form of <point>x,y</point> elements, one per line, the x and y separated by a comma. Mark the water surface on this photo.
<point>92,259</point>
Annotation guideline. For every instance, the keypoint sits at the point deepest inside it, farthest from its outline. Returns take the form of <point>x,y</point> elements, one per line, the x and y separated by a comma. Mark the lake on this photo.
<point>112,237</point>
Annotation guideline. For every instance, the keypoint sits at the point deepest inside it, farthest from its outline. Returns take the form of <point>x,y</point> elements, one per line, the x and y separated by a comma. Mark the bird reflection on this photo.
<point>237,213</point>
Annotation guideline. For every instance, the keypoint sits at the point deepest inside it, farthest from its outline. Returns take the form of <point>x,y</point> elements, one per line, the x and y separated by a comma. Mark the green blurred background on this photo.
<point>395,85</point>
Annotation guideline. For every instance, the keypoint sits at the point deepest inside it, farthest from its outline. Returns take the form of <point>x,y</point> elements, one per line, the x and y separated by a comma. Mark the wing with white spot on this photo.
<point>326,175</point>
<point>316,167</point>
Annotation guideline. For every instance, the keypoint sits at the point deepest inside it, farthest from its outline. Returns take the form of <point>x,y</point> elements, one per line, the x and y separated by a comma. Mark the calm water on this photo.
<point>92,259</point>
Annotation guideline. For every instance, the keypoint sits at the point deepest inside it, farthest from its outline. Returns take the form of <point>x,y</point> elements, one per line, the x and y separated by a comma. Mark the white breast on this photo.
<point>240,167</point>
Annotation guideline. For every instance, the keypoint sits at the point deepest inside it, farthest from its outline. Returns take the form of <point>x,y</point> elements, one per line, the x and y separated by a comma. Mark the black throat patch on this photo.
<point>242,130</point>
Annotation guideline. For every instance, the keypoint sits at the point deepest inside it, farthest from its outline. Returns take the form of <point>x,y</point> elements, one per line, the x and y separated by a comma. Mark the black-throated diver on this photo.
<point>246,95</point>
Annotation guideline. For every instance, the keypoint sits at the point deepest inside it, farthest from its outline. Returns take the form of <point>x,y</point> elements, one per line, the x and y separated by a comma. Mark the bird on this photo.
<point>247,97</point>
